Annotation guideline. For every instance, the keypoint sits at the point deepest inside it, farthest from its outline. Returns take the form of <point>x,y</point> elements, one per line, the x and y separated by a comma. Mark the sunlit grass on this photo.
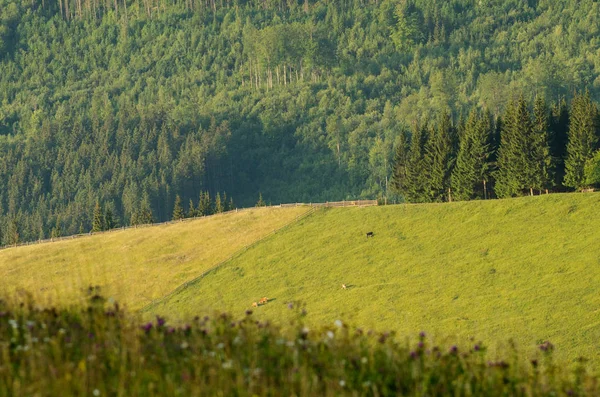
<point>524,269</point>
<point>135,266</point>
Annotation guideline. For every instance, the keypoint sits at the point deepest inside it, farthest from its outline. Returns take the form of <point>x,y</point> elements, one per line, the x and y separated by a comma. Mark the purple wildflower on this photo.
<point>422,334</point>
<point>413,355</point>
<point>290,305</point>
<point>477,348</point>
<point>453,349</point>
<point>147,327</point>
<point>160,321</point>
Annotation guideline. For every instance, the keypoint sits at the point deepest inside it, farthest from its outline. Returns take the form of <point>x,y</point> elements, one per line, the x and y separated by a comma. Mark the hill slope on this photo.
<point>524,268</point>
<point>136,265</point>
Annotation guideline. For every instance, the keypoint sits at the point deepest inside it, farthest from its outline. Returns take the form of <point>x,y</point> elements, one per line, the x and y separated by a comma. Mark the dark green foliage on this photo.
<point>584,135</point>
<point>592,171</point>
<point>260,202</point>
<point>109,220</point>
<point>543,163</point>
<point>472,171</point>
<point>219,204</point>
<point>191,210</point>
<point>515,174</point>
<point>439,159</point>
<point>204,204</point>
<point>98,224</point>
<point>178,212</point>
<point>559,127</point>
<point>116,100</point>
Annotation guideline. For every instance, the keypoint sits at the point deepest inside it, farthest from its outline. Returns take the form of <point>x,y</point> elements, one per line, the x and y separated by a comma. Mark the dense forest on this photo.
<point>131,103</point>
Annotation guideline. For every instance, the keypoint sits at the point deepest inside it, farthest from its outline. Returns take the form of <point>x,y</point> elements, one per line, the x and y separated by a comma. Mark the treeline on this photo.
<point>527,149</point>
<point>131,103</point>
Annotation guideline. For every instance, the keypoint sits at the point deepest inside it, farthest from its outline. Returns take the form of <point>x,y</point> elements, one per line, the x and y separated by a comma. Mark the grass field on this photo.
<point>135,266</point>
<point>527,269</point>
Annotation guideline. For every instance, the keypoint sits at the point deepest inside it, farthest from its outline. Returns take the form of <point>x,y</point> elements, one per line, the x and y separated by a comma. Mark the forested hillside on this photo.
<point>130,103</point>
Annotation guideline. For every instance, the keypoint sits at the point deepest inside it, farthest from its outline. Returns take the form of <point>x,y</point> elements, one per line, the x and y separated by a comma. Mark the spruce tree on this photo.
<point>191,210</point>
<point>559,125</point>
<point>471,174</point>
<point>439,158</point>
<point>515,173</point>
<point>97,219</point>
<point>415,185</point>
<point>543,164</point>
<point>109,221</point>
<point>260,202</point>
<point>583,139</point>
<point>400,169</point>
<point>144,215</point>
<point>231,205</point>
<point>218,204</point>
<point>178,213</point>
<point>56,230</point>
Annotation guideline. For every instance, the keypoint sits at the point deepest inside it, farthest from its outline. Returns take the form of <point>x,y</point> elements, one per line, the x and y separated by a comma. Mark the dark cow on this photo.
<point>370,234</point>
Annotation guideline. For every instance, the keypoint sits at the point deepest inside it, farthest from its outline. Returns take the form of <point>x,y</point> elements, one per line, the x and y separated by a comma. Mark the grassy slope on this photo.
<point>526,268</point>
<point>136,265</point>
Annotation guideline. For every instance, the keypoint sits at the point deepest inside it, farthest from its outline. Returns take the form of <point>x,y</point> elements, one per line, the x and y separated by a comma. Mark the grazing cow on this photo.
<point>370,234</point>
<point>263,300</point>
<point>344,286</point>
<point>254,304</point>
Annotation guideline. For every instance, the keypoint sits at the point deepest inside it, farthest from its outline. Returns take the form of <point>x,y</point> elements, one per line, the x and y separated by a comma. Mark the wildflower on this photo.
<point>338,323</point>
<point>184,345</point>
<point>171,330</point>
<point>305,330</point>
<point>364,360</point>
<point>454,349</point>
<point>330,334</point>
<point>34,340</point>
<point>147,327</point>
<point>91,335</point>
<point>342,383</point>
<point>96,392</point>
<point>227,364</point>
<point>534,363</point>
<point>477,348</point>
<point>421,345</point>
<point>413,355</point>
<point>290,305</point>
<point>160,321</point>
<point>220,346</point>
<point>13,323</point>
<point>422,334</point>
<point>62,331</point>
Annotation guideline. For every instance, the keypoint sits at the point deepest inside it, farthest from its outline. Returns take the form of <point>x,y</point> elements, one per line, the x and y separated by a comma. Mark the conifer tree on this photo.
<point>416,175</point>
<point>231,205</point>
<point>178,212</point>
<point>218,204</point>
<point>559,125</point>
<point>56,230</point>
<point>583,139</point>
<point>14,237</point>
<point>97,219</point>
<point>439,157</point>
<point>260,202</point>
<point>400,170</point>
<point>225,203</point>
<point>543,165</point>
<point>191,210</point>
<point>471,173</point>
<point>144,214</point>
<point>204,204</point>
<point>109,221</point>
<point>515,171</point>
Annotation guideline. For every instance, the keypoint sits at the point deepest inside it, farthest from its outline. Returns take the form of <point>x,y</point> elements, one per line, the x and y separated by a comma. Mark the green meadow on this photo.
<point>526,270</point>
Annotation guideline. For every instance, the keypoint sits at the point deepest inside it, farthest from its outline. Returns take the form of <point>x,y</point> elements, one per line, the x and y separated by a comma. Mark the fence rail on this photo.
<point>354,203</point>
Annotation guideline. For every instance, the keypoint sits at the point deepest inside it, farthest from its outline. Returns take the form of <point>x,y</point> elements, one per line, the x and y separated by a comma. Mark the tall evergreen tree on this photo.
<point>400,169</point>
<point>218,204</point>
<point>97,219</point>
<point>204,204</point>
<point>583,139</point>
<point>559,125</point>
<point>260,202</point>
<point>178,212</point>
<point>515,173</point>
<point>439,158</point>
<point>191,209</point>
<point>543,164</point>
<point>416,173</point>
<point>471,173</point>
<point>109,220</point>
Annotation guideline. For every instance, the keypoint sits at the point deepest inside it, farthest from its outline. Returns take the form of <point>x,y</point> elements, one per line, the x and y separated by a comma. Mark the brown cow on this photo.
<point>254,304</point>
<point>263,300</point>
<point>343,286</point>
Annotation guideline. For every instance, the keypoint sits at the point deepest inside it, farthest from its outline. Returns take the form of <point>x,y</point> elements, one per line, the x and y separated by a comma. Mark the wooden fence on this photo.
<point>355,203</point>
